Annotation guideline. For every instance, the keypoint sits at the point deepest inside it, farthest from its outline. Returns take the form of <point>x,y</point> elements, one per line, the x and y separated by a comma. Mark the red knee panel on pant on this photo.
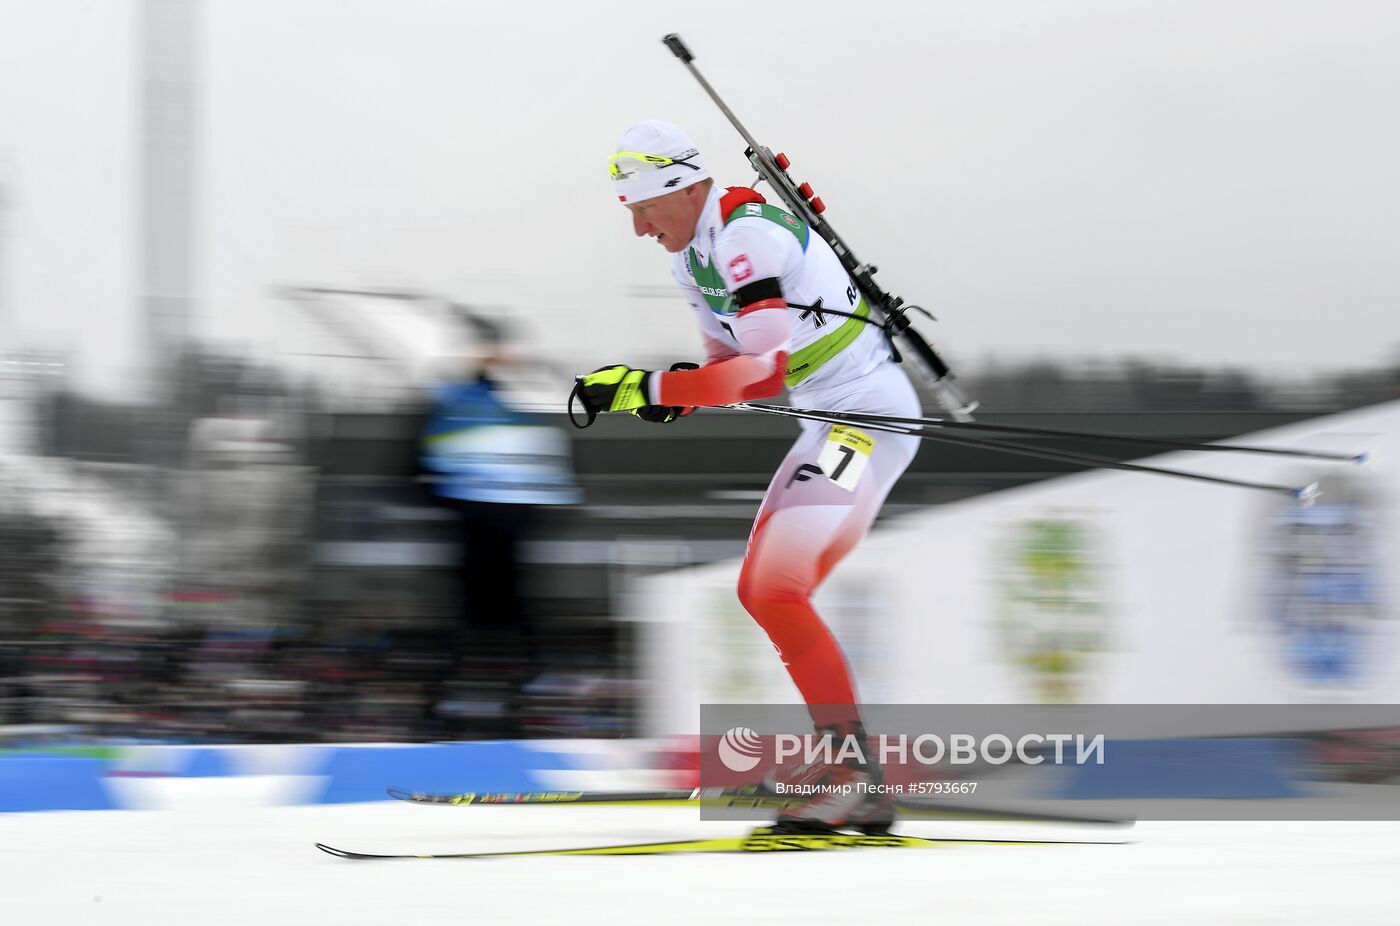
<point>811,654</point>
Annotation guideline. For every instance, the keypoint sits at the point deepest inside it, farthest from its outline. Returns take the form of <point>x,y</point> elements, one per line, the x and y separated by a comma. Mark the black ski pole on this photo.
<point>1131,439</point>
<point>1305,494</point>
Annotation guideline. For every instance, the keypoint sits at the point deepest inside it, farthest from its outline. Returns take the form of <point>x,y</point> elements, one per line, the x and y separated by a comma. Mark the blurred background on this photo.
<point>291,297</point>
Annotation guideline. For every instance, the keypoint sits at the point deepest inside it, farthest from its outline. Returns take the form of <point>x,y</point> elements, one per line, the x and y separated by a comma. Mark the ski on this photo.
<point>760,840</point>
<point>674,798</point>
<point>751,798</point>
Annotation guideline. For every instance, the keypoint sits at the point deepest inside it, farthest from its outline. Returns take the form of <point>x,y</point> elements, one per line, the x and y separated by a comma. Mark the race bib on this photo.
<point>845,456</point>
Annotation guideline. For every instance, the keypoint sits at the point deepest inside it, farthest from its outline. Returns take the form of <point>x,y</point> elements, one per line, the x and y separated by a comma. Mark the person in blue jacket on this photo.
<point>493,465</point>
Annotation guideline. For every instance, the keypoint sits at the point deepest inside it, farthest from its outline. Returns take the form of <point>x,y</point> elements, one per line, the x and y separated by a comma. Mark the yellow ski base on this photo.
<point>758,841</point>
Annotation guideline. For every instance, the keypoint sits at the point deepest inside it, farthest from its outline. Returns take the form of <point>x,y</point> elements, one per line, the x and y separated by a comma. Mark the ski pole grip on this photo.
<point>673,42</point>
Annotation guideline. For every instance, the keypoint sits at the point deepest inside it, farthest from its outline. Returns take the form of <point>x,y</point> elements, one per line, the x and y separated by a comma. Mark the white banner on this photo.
<point>1102,587</point>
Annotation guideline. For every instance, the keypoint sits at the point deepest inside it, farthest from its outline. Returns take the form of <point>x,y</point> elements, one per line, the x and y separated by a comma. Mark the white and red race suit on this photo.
<point>757,279</point>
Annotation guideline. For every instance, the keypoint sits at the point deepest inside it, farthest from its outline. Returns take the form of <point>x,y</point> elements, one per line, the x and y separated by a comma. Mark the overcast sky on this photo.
<point>1214,182</point>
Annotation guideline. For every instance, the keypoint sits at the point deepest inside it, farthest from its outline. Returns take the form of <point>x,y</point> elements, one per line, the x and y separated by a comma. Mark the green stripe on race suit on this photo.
<point>807,360</point>
<point>711,286</point>
<point>773,214</point>
<point>811,358</point>
<point>708,278</point>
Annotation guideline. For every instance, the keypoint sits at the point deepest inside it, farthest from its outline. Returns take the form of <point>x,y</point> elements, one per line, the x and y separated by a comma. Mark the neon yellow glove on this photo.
<point>615,388</point>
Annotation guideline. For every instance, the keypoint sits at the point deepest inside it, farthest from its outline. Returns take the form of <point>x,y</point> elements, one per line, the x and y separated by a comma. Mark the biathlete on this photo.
<point>758,281</point>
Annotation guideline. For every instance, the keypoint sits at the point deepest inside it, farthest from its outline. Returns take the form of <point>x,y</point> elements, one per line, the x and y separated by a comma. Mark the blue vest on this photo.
<point>481,450</point>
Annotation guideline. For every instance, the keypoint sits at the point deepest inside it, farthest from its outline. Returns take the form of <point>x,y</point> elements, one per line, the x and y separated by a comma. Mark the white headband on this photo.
<point>655,158</point>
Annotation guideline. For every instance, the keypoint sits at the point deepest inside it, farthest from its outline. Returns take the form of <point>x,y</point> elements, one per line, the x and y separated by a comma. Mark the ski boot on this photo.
<point>837,795</point>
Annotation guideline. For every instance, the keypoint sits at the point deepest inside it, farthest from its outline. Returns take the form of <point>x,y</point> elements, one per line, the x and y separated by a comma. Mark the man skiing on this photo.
<point>758,282</point>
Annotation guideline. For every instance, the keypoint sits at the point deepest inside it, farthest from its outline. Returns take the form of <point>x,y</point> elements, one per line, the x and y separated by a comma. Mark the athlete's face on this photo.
<point>670,219</point>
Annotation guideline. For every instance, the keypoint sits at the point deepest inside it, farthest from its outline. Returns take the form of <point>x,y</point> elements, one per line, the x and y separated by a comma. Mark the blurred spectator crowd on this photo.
<point>163,571</point>
<point>159,580</point>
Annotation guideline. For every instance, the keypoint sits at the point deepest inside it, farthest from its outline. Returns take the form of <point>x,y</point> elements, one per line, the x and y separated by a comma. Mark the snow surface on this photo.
<point>256,865</point>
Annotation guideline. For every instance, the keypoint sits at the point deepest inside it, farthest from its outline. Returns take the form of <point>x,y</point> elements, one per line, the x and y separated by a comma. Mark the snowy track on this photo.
<point>257,865</point>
